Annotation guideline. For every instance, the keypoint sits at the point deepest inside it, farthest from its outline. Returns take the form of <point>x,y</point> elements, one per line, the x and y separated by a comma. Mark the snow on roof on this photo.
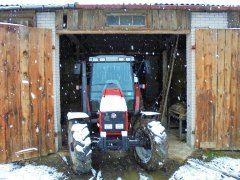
<point>191,5</point>
<point>50,3</point>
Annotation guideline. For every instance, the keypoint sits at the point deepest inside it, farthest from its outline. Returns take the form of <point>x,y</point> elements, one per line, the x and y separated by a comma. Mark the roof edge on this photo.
<point>188,7</point>
<point>42,7</point>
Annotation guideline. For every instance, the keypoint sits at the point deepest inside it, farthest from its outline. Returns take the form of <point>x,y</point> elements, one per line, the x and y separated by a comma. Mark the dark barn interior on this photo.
<point>153,57</point>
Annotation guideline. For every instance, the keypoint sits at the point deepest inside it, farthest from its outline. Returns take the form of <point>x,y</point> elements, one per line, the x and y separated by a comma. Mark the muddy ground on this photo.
<point>113,165</point>
<point>119,165</point>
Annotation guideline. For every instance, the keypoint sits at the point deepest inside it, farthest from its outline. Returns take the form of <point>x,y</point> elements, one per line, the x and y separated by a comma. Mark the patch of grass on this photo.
<point>214,154</point>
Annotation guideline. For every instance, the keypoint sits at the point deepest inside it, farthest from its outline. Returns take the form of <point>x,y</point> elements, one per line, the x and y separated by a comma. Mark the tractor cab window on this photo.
<point>115,75</point>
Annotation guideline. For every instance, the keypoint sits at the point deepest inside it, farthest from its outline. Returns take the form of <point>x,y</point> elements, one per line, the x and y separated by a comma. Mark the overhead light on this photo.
<point>102,59</point>
<point>93,59</point>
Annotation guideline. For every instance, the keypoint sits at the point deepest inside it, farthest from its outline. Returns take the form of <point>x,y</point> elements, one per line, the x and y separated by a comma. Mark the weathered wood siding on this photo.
<point>95,20</point>
<point>218,89</point>
<point>27,17</point>
<point>26,113</point>
<point>234,19</point>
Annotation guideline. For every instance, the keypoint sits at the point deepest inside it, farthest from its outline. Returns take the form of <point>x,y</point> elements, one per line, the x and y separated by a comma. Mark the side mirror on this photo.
<point>77,69</point>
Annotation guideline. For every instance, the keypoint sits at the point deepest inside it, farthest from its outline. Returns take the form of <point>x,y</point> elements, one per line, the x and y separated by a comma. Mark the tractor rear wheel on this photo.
<point>79,144</point>
<point>153,154</point>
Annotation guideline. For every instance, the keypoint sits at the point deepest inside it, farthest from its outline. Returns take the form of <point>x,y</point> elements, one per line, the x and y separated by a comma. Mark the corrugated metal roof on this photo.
<point>102,5</point>
<point>30,6</point>
<point>190,7</point>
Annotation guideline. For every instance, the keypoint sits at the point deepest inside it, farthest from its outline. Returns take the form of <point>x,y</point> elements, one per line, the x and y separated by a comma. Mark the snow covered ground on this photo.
<point>13,171</point>
<point>223,168</point>
<point>219,168</point>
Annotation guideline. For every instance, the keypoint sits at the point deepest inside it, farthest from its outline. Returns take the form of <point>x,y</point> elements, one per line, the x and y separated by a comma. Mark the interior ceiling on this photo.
<point>122,43</point>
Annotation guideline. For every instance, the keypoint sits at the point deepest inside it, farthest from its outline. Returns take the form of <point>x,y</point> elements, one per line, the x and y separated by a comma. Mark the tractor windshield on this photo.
<point>112,74</point>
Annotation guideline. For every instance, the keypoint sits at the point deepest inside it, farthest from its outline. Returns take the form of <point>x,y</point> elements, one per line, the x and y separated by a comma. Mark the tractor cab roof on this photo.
<point>111,58</point>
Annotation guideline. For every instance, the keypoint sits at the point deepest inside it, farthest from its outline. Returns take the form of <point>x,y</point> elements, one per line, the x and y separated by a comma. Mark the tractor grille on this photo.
<point>113,121</point>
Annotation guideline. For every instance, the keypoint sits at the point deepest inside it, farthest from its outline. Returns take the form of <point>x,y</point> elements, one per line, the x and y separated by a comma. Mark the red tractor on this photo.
<point>112,116</point>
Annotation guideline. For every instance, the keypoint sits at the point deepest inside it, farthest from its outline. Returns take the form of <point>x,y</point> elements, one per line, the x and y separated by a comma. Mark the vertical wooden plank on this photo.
<point>96,19</point>
<point>49,91</point>
<point>173,20</point>
<point>155,19</point>
<point>238,90</point>
<point>91,22</point>
<point>42,92</point>
<point>221,105</point>
<point>200,86</point>
<point>162,19</point>
<point>25,99</point>
<point>34,98</point>
<point>227,89</point>
<point>59,20</point>
<point>3,95</point>
<point>80,19</point>
<point>10,99</point>
<point>233,93</point>
<point>14,96</point>
<point>85,19</point>
<point>167,18</point>
<point>72,16</point>
<point>207,66</point>
<point>180,19</point>
<point>101,20</point>
<point>217,56</point>
<point>17,107</point>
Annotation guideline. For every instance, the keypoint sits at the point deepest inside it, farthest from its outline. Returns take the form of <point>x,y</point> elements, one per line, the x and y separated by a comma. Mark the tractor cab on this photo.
<point>112,71</point>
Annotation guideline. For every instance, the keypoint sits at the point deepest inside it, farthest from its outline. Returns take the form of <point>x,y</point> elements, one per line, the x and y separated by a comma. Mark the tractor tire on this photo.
<point>155,152</point>
<point>79,144</point>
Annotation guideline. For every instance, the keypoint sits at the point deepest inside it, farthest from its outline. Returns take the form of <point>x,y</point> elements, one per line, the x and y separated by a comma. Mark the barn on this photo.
<point>192,48</point>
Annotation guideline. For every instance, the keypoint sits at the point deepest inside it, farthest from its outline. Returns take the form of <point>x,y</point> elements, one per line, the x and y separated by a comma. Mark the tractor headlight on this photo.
<point>119,126</point>
<point>108,126</point>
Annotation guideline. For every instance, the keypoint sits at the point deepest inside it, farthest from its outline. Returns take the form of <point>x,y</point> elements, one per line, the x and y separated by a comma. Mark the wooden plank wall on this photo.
<point>234,19</point>
<point>95,19</point>
<point>26,113</point>
<point>24,17</point>
<point>217,89</point>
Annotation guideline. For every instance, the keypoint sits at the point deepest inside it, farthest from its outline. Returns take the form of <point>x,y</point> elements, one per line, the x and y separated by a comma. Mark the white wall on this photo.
<point>47,20</point>
<point>199,20</point>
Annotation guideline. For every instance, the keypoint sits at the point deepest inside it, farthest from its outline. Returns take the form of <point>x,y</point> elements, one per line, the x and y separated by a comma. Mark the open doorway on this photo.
<point>153,54</point>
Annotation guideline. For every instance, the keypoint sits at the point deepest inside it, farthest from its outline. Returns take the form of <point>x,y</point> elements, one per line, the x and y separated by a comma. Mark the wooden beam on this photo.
<point>123,32</point>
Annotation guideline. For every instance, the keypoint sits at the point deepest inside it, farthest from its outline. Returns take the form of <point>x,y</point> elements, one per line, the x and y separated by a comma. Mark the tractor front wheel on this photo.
<point>79,144</point>
<point>153,154</point>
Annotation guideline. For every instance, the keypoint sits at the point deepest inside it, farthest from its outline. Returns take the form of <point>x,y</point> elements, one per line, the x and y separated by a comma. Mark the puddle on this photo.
<point>117,165</point>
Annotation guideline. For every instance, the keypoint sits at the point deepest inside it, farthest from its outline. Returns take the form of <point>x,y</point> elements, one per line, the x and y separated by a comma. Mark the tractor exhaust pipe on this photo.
<point>84,88</point>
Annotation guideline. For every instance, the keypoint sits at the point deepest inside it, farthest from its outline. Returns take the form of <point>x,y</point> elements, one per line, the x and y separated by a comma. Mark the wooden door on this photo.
<point>218,89</point>
<point>26,93</point>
